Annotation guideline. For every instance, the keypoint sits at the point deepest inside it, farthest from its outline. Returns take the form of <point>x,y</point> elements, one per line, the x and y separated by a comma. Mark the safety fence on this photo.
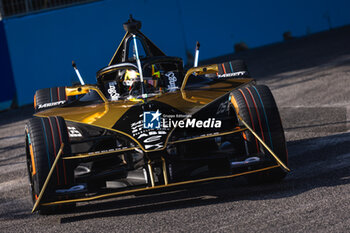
<point>10,8</point>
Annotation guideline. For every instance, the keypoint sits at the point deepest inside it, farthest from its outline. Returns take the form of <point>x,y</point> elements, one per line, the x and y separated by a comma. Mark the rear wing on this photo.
<point>235,69</point>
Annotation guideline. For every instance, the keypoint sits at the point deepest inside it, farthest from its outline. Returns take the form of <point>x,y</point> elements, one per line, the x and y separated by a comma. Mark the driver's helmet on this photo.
<point>130,77</point>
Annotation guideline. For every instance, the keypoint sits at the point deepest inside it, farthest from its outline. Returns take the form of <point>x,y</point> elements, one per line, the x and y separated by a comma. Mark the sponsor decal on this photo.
<point>202,135</point>
<point>192,123</point>
<point>148,130</point>
<point>151,120</point>
<point>146,134</point>
<point>139,132</point>
<point>112,91</point>
<point>154,146</point>
<point>222,107</point>
<point>153,127</point>
<point>152,139</point>
<point>108,150</point>
<point>73,189</point>
<point>47,105</point>
<point>239,73</point>
<point>137,127</point>
<point>245,162</point>
<point>172,81</point>
<point>73,132</point>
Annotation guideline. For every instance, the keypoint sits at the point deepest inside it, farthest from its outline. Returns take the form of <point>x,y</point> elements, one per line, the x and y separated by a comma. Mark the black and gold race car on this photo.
<point>148,124</point>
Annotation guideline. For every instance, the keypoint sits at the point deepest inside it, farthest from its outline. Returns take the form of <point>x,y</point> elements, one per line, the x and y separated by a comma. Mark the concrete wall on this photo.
<point>7,92</point>
<point>43,45</point>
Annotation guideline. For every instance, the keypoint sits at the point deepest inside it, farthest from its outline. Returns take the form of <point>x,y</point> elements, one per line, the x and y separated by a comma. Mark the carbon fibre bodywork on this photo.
<point>198,103</point>
<point>114,152</point>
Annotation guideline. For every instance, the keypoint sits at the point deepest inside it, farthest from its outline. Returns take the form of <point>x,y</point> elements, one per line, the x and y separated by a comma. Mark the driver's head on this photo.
<point>130,77</point>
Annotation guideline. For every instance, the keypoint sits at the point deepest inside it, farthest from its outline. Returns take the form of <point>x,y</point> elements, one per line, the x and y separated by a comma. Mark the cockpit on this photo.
<point>125,80</point>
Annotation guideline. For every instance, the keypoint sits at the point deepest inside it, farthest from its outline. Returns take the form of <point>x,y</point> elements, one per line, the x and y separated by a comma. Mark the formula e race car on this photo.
<point>149,124</point>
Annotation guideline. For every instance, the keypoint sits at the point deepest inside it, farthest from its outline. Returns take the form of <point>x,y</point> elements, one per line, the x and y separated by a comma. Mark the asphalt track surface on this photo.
<point>310,78</point>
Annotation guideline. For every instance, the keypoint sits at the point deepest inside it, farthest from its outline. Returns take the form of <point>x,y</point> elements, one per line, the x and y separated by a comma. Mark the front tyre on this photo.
<point>43,138</point>
<point>258,109</point>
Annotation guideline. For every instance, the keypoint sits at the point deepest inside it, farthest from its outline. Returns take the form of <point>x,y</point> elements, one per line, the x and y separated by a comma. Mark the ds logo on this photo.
<point>151,120</point>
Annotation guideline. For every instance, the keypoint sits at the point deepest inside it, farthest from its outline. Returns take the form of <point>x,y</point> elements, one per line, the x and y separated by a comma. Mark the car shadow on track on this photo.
<point>325,162</point>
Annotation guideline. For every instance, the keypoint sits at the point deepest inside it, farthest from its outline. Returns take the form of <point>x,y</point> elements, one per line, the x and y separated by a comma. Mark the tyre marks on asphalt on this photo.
<point>13,184</point>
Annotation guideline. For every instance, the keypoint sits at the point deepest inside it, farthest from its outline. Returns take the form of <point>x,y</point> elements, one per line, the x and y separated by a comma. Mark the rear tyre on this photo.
<point>44,137</point>
<point>258,109</point>
<point>236,66</point>
<point>50,97</point>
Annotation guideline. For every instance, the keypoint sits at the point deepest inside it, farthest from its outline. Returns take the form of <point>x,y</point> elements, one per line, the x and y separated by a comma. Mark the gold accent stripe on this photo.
<point>150,170</point>
<point>48,178</point>
<point>165,174</point>
<point>158,187</point>
<point>71,91</point>
<point>209,136</point>
<point>115,53</point>
<point>199,71</point>
<point>79,156</point>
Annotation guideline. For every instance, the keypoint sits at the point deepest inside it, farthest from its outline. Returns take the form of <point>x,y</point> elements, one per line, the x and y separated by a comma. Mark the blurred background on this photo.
<point>40,38</point>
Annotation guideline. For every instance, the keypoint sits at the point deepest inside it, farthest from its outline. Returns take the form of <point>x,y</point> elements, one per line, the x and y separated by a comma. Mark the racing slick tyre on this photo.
<point>50,97</point>
<point>43,138</point>
<point>258,109</point>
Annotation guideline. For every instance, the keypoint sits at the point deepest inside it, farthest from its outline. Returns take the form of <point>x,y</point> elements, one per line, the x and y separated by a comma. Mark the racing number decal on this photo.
<point>112,91</point>
<point>222,107</point>
<point>172,80</point>
<point>73,132</point>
